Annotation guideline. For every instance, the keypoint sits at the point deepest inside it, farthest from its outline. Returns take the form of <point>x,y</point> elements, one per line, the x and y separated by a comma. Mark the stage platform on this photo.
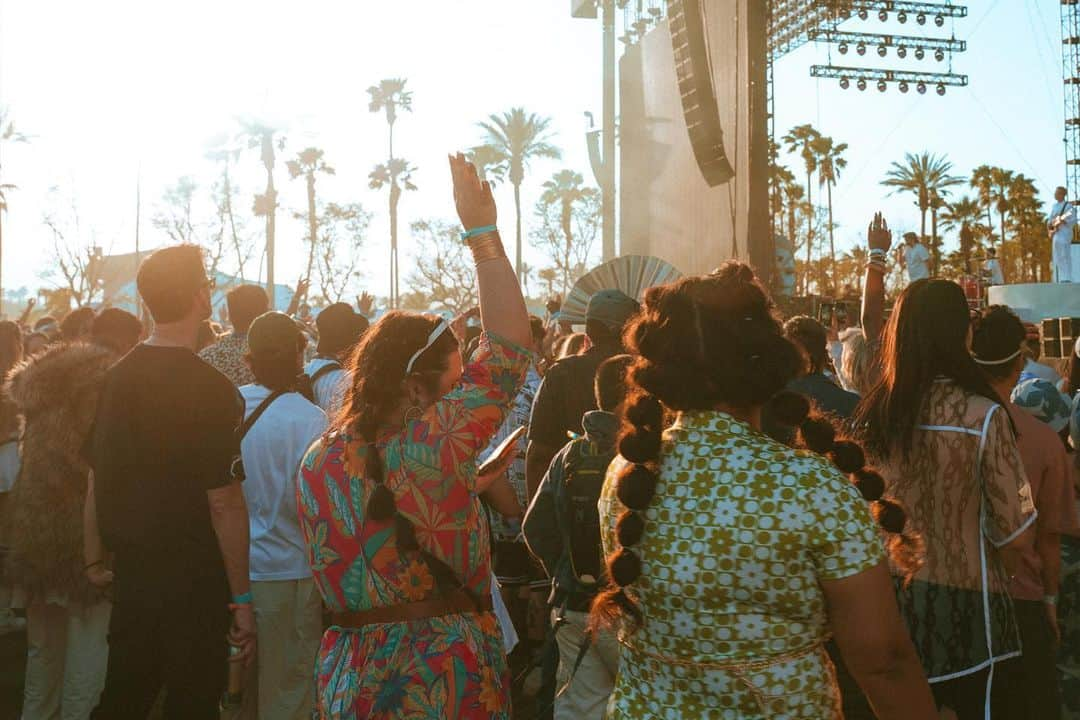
<point>1037,301</point>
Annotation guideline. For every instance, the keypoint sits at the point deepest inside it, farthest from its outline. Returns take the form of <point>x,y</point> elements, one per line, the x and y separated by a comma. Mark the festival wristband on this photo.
<point>476,232</point>
<point>1050,599</point>
<point>242,599</point>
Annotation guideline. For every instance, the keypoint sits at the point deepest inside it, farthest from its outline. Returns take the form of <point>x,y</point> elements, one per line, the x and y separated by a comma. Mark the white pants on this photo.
<point>587,696</point>
<point>67,652</point>
<point>281,683</point>
<point>1063,258</point>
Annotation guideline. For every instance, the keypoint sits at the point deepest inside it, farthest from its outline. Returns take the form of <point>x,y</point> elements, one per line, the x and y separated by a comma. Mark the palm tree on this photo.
<point>565,189</point>
<point>779,178</point>
<point>830,158</point>
<point>1000,180</point>
<point>794,193</point>
<point>308,162</point>
<point>959,216</point>
<point>519,137</point>
<point>8,133</point>
<point>395,174</point>
<point>801,138</point>
<point>390,96</point>
<point>262,136</point>
<point>982,183</point>
<point>489,162</point>
<point>925,175</point>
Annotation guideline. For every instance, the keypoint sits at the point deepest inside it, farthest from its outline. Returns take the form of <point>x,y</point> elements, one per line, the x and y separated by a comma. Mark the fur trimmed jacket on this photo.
<point>57,393</point>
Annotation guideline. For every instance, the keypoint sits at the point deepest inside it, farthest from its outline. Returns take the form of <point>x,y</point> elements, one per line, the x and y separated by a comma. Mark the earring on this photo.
<point>413,413</point>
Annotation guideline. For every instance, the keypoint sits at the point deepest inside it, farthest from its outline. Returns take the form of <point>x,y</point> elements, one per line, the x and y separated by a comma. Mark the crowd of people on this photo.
<point>693,509</point>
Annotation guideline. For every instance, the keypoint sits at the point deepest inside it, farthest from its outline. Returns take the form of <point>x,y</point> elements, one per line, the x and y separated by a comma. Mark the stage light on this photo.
<point>903,86</point>
<point>861,48</point>
<point>939,54</point>
<point>861,84</point>
<point>863,14</point>
<point>901,52</point>
<point>939,20</point>
<point>882,86</point>
<point>844,83</point>
<point>901,17</point>
<point>921,18</point>
<point>882,51</point>
<point>882,15</point>
<point>921,88</point>
<point>845,14</point>
<point>919,53</point>
<point>941,89</point>
<point>842,47</point>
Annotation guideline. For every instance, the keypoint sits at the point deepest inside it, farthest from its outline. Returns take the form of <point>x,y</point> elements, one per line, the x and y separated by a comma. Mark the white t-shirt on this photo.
<point>272,451</point>
<point>330,388</point>
<point>997,277</point>
<point>916,258</point>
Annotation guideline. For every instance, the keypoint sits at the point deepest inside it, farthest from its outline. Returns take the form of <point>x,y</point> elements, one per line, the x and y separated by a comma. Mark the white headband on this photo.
<point>442,327</point>
<point>1002,361</point>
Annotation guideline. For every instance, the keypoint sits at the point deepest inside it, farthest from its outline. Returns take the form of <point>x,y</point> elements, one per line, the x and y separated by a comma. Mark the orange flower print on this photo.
<point>489,694</point>
<point>416,581</point>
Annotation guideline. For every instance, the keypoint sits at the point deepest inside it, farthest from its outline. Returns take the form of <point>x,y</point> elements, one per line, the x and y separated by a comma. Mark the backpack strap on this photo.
<point>254,417</point>
<point>325,370</point>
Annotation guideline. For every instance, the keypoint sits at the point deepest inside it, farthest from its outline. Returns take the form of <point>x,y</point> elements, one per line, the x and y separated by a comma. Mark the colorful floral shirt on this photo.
<point>737,540</point>
<point>227,357</point>
<point>453,666</point>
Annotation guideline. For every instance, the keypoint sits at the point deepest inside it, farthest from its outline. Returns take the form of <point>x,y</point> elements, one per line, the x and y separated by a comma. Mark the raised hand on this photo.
<point>472,196</point>
<point>878,235</point>
<point>365,302</point>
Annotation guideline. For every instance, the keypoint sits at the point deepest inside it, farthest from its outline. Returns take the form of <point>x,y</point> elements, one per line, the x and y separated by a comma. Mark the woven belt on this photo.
<point>455,602</point>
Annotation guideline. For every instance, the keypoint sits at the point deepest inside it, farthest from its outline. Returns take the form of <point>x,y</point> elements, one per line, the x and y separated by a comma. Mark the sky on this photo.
<point>117,95</point>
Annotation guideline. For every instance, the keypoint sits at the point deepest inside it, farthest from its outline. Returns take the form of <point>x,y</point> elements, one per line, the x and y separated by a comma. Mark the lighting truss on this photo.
<point>792,21</point>
<point>1070,61</point>
<point>910,42</point>
<point>927,8</point>
<point>888,76</point>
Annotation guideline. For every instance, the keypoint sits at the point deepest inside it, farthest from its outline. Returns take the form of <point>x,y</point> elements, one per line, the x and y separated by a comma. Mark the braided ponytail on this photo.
<point>640,445</point>
<point>818,434</point>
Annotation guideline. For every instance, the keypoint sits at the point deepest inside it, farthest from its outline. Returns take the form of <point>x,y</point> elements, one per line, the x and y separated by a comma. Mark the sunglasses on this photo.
<point>441,328</point>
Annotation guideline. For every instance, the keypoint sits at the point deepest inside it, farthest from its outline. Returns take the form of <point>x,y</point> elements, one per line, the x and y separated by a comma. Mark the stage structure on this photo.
<point>1070,64</point>
<point>695,111</point>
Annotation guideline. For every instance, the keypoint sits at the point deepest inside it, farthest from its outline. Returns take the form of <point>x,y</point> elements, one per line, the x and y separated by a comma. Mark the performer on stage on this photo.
<point>992,268</point>
<point>1060,226</point>
<point>915,258</point>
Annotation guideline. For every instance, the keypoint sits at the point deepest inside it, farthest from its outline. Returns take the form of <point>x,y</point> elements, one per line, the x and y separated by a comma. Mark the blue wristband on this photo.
<point>476,232</point>
<point>244,599</point>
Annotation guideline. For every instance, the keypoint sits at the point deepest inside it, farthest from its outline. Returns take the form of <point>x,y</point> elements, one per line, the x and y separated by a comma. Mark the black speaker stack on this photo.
<point>1058,336</point>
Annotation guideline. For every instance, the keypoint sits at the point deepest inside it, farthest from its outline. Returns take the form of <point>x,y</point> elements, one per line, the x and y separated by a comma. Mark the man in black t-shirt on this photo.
<point>566,393</point>
<point>167,504</point>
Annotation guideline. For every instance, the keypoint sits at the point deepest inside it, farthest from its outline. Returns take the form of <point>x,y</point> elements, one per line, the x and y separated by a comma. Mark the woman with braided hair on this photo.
<point>946,445</point>
<point>389,507</point>
<point>732,557</point>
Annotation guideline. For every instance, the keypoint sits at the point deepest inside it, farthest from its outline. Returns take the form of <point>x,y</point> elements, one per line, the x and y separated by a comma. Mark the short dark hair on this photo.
<point>610,385</point>
<point>602,335</point>
<point>536,325</point>
<point>811,337</point>
<point>170,279</point>
<point>76,324</point>
<point>998,334</point>
<point>1062,188</point>
<point>246,302</point>
<point>278,369</point>
<point>116,329</point>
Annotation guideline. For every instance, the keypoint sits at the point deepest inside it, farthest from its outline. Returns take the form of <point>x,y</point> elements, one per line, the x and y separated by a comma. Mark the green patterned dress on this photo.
<point>740,534</point>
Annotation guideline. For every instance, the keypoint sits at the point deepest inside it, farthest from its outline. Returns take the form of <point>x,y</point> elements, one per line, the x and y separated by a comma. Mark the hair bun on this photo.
<point>382,506</point>
<point>639,445</point>
<point>890,516</point>
<point>624,567</point>
<point>848,456</point>
<point>645,410</point>
<point>629,529</point>
<point>818,434</point>
<point>636,486</point>
<point>789,408</point>
<point>869,483</point>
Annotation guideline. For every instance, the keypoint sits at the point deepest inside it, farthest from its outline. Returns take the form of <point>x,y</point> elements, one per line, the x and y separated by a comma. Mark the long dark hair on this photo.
<point>926,338</point>
<point>702,342</point>
<point>377,366</point>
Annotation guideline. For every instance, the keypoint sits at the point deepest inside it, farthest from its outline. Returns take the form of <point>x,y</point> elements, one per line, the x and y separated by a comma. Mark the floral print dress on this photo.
<point>446,667</point>
<point>737,541</point>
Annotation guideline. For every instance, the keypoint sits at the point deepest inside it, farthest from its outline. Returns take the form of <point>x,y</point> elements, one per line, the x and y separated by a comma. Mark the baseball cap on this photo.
<point>272,332</point>
<point>611,307</point>
<point>340,325</point>
<point>910,236</point>
<point>1044,401</point>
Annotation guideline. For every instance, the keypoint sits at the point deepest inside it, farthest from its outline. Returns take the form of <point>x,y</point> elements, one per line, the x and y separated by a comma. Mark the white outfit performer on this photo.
<point>992,268</point>
<point>1065,213</point>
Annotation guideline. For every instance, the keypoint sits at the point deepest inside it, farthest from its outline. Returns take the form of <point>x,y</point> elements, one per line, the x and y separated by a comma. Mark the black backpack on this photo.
<point>579,518</point>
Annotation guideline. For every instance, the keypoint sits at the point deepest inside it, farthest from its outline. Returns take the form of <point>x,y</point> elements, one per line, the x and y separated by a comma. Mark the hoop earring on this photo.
<point>414,412</point>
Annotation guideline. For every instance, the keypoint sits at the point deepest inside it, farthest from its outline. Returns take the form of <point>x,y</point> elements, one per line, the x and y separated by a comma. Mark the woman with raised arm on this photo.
<point>389,505</point>
<point>732,557</point>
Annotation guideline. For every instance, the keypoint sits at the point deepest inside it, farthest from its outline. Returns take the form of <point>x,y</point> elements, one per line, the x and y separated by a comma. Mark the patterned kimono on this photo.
<point>965,489</point>
<point>447,667</point>
<point>737,540</point>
